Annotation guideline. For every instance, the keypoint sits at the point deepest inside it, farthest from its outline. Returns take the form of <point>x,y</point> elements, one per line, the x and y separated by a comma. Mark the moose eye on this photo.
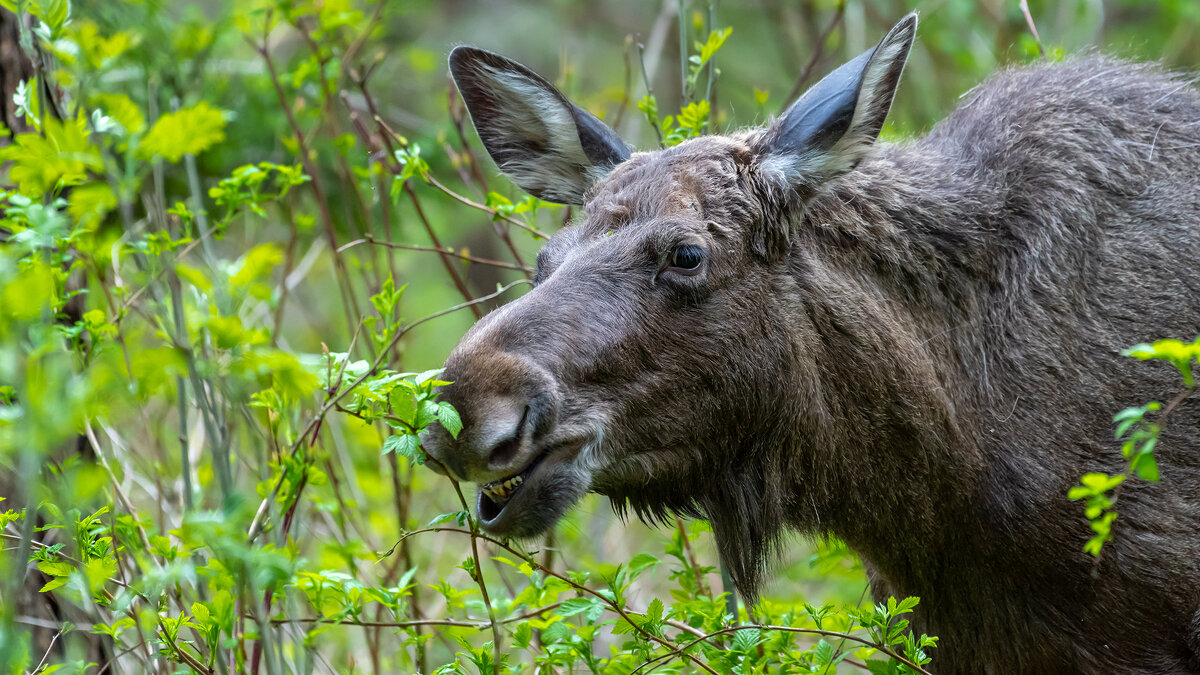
<point>686,258</point>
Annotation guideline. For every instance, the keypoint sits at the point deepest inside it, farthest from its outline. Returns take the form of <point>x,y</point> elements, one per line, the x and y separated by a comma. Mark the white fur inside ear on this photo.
<point>531,115</point>
<point>871,96</point>
<point>793,169</point>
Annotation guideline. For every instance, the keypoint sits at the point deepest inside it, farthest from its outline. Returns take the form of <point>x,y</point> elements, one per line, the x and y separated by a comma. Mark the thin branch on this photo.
<point>477,573</point>
<point>579,587</point>
<point>488,210</point>
<point>481,625</point>
<point>882,649</point>
<point>455,277</point>
<point>368,239</point>
<point>350,302</point>
<point>256,525</point>
<point>818,52</point>
<point>1032,28</point>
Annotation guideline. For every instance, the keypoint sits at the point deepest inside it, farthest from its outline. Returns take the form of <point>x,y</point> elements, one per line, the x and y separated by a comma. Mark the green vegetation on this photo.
<point>237,237</point>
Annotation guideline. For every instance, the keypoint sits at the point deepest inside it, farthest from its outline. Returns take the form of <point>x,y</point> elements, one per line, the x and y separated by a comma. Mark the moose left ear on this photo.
<point>829,129</point>
<point>552,148</point>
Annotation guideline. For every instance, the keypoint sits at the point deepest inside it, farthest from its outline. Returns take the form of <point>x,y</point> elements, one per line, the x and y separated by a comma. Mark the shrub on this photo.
<point>210,302</point>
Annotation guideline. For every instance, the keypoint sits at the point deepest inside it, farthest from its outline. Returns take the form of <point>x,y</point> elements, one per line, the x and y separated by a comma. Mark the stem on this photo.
<point>691,558</point>
<point>712,68</point>
<point>444,251</point>
<point>350,302</point>
<point>455,277</point>
<point>477,572</point>
<point>818,51</point>
<point>1032,28</point>
<point>649,92</point>
<point>683,57</point>
<point>793,629</point>
<point>332,400</point>
<point>584,589</point>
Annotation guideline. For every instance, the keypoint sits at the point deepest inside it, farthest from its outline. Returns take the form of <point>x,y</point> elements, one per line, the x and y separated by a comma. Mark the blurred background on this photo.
<point>302,83</point>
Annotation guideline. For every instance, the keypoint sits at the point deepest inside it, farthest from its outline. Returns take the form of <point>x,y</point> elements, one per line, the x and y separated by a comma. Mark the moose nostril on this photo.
<point>506,450</point>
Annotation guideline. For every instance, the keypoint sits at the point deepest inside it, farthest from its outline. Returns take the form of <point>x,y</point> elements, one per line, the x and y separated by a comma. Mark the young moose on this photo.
<point>913,347</point>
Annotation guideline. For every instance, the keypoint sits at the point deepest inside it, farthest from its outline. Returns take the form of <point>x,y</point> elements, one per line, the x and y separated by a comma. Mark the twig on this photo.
<point>350,302</point>
<point>524,556</point>
<point>477,573</point>
<point>649,92</point>
<point>488,210</point>
<point>683,57</point>
<point>368,239</point>
<point>1032,28</point>
<point>1161,423</point>
<point>691,557</point>
<point>388,136</point>
<point>625,92</point>
<point>49,648</point>
<point>883,649</point>
<point>481,625</point>
<point>818,52</point>
<point>455,277</point>
<point>259,517</point>
<point>712,70</point>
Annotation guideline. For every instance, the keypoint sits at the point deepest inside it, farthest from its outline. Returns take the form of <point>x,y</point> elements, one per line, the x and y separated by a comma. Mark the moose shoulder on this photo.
<point>914,347</point>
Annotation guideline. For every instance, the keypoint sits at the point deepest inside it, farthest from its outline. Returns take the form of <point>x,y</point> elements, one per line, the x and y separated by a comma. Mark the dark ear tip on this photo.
<point>905,28</point>
<point>462,55</point>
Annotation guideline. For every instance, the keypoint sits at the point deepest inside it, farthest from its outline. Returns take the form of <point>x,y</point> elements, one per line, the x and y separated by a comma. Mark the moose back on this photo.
<point>914,347</point>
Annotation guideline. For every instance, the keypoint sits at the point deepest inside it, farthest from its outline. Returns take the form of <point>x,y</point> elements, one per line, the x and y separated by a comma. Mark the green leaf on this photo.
<point>448,417</point>
<point>654,611</point>
<point>1101,482</point>
<point>575,606</point>
<point>523,635</point>
<point>822,652</point>
<point>883,667</point>
<point>555,632</point>
<point>61,155</point>
<point>53,584</point>
<point>55,569</point>
<point>404,405</point>
<point>441,517</point>
<point>54,13</point>
<point>746,639</point>
<point>1145,467</point>
<point>422,378</point>
<point>639,563</point>
<point>405,445</point>
<point>189,131</point>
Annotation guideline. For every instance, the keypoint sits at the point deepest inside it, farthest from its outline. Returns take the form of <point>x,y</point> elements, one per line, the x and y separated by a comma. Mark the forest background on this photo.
<point>239,238</point>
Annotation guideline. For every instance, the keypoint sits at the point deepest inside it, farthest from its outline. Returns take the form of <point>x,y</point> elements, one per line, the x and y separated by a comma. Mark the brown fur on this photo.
<point>920,356</point>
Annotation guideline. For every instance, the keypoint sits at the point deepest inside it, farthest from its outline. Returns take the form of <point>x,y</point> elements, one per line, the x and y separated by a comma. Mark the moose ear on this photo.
<point>829,129</point>
<point>551,148</point>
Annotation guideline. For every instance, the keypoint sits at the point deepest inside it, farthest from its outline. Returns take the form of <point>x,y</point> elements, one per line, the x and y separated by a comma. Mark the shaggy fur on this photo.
<point>921,357</point>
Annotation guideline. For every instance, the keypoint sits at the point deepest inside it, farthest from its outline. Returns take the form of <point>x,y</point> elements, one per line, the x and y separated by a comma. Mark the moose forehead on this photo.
<point>699,180</point>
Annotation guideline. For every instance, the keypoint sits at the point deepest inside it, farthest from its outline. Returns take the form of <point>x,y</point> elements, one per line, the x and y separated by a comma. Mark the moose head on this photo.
<point>663,357</point>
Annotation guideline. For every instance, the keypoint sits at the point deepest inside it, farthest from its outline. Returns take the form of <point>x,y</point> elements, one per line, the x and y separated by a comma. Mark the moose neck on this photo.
<point>895,263</point>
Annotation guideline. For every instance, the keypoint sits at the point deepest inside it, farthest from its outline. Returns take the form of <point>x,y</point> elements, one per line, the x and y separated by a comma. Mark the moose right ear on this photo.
<point>829,129</point>
<point>551,148</point>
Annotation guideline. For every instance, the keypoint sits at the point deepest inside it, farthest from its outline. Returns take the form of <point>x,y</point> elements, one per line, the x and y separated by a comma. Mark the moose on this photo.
<point>913,346</point>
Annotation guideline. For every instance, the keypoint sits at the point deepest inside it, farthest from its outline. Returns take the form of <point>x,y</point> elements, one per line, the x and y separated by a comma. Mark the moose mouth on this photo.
<point>495,496</point>
<point>530,501</point>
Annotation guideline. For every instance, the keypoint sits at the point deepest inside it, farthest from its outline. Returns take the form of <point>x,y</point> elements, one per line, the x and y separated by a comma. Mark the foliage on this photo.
<point>221,262</point>
<point>1099,491</point>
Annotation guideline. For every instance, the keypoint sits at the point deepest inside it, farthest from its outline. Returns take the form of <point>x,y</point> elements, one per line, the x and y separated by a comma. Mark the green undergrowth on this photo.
<point>234,248</point>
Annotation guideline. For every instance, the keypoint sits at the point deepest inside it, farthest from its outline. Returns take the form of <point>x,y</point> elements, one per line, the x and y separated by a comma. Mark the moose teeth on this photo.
<point>502,489</point>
